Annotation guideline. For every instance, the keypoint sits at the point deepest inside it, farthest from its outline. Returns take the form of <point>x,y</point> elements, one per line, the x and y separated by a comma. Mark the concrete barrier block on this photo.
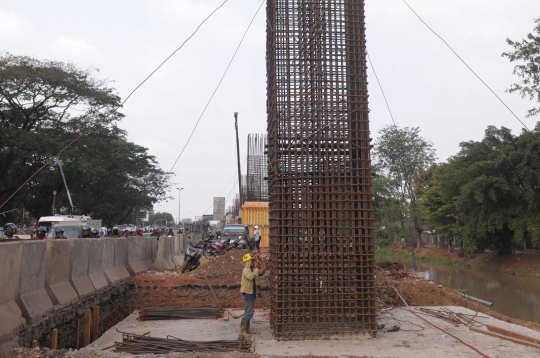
<point>34,300</point>
<point>57,278</point>
<point>109,253</point>
<point>139,254</point>
<point>79,260</point>
<point>95,265</point>
<point>175,247</point>
<point>11,317</point>
<point>120,258</point>
<point>163,259</point>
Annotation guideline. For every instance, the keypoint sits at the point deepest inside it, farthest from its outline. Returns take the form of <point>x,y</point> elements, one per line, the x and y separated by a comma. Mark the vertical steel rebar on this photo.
<point>319,170</point>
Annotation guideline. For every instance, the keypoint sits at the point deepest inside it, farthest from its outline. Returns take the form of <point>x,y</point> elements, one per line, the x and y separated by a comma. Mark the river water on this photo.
<point>512,296</point>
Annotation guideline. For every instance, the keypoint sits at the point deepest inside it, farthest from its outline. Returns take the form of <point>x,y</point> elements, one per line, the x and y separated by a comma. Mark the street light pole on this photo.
<point>179,196</point>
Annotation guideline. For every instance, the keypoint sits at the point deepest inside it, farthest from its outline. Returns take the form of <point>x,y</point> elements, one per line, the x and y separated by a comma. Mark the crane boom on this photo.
<point>58,164</point>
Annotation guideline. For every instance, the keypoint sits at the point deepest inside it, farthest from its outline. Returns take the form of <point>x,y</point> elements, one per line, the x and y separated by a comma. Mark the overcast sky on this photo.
<point>424,82</point>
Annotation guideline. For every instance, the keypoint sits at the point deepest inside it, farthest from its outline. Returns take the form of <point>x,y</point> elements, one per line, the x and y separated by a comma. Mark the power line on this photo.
<point>380,86</point>
<point>175,51</point>
<point>470,69</point>
<point>217,87</point>
<point>110,113</point>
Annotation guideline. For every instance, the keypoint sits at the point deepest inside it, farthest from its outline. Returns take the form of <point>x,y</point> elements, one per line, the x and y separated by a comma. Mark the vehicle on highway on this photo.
<point>236,234</point>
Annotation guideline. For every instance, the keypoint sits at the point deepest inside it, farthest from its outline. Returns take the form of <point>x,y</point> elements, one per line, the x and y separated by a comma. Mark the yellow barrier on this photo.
<point>257,213</point>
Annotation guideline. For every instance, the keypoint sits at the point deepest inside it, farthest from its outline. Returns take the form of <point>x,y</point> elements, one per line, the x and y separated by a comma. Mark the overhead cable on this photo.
<point>217,87</point>
<point>470,69</point>
<point>110,113</point>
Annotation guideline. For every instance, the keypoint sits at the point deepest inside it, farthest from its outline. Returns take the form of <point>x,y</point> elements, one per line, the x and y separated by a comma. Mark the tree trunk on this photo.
<point>450,244</point>
<point>389,233</point>
<point>417,230</point>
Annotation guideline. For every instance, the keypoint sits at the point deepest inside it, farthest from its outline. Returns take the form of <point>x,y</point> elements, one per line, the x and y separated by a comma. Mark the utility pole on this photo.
<point>238,158</point>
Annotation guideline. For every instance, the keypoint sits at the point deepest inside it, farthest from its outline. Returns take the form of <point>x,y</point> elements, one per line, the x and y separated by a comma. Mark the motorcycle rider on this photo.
<point>59,234</point>
<point>86,232</point>
<point>95,233</point>
<point>41,233</point>
<point>10,229</point>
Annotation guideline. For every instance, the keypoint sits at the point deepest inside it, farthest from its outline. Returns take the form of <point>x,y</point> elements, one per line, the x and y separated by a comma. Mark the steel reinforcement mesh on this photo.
<point>319,176</point>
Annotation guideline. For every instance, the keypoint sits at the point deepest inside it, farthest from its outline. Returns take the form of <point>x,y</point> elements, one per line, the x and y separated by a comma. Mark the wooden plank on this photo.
<point>95,323</point>
<point>513,334</point>
<point>502,336</point>
<point>226,315</point>
<point>54,339</point>
<point>87,322</point>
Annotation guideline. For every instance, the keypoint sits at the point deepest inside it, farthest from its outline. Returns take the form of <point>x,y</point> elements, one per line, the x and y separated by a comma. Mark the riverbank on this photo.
<point>522,263</point>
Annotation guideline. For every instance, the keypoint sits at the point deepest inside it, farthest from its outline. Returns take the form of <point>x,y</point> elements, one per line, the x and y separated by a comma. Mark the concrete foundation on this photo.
<point>415,339</point>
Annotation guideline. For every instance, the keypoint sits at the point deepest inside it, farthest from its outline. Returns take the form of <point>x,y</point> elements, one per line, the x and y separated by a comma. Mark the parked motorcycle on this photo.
<point>192,258</point>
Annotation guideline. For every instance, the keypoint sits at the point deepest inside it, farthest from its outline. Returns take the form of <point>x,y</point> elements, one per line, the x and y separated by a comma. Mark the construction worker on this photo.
<point>41,233</point>
<point>257,236</point>
<point>248,287</point>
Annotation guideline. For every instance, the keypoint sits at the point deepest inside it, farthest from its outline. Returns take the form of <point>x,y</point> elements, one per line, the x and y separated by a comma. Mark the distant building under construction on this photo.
<point>321,206</point>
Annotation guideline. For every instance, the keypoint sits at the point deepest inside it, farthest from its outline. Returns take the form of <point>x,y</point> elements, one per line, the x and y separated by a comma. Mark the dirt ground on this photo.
<point>172,288</point>
<point>525,263</point>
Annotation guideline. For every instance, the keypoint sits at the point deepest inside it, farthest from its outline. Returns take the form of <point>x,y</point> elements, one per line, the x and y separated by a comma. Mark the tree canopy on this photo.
<point>44,105</point>
<point>489,193</point>
<point>527,55</point>
<point>399,154</point>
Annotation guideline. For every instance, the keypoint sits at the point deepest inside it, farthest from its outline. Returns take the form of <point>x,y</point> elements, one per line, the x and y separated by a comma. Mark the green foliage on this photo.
<point>489,193</point>
<point>161,217</point>
<point>399,154</point>
<point>527,54</point>
<point>44,105</point>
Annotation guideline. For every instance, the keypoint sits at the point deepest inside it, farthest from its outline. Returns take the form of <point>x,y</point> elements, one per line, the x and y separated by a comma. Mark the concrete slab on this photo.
<point>163,260</point>
<point>80,257</point>
<point>120,258</point>
<point>33,299</point>
<point>139,254</point>
<point>108,261</point>
<point>57,279</point>
<point>416,338</point>
<point>11,319</point>
<point>95,265</point>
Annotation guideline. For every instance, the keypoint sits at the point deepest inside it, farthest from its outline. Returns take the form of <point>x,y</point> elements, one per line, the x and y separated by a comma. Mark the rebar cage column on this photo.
<point>319,176</point>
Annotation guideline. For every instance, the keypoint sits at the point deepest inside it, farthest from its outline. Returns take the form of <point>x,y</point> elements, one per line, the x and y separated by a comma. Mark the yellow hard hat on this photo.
<point>247,257</point>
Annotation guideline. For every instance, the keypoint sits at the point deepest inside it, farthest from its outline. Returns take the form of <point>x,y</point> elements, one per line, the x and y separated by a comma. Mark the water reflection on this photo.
<point>513,296</point>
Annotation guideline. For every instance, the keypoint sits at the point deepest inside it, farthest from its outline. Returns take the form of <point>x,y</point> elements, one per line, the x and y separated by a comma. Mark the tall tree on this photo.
<point>44,105</point>
<point>400,153</point>
<point>527,54</point>
<point>491,189</point>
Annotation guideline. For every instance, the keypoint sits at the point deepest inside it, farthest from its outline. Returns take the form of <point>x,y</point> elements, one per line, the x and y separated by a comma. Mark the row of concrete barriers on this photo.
<point>39,276</point>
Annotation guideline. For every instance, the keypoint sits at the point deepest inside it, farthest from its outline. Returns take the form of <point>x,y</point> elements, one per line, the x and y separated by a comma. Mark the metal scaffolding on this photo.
<point>319,170</point>
<point>257,169</point>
